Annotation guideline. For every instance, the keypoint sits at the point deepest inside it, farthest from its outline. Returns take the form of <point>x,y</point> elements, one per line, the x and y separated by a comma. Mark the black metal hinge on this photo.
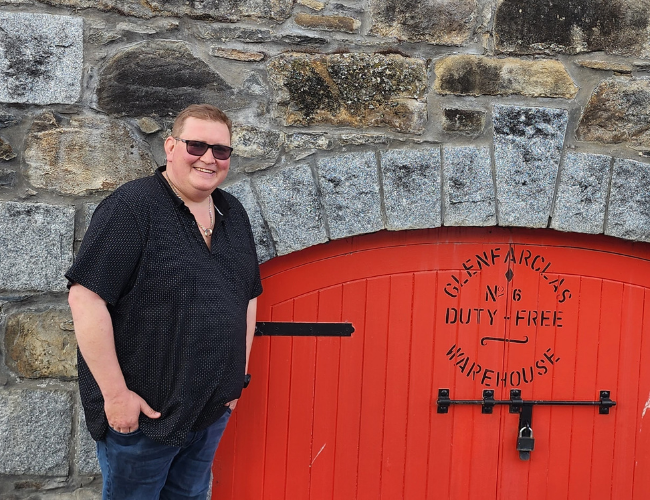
<point>293,329</point>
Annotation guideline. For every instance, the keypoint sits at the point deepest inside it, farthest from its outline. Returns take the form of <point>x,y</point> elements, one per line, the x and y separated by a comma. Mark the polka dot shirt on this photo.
<point>178,308</point>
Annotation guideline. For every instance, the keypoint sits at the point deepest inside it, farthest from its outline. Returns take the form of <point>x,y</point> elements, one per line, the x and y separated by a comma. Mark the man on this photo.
<point>163,298</point>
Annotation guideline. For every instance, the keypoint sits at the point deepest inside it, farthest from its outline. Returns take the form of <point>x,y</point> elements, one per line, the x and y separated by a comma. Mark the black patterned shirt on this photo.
<point>178,308</point>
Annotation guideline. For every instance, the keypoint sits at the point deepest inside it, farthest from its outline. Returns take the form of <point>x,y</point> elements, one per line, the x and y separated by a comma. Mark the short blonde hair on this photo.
<point>201,112</point>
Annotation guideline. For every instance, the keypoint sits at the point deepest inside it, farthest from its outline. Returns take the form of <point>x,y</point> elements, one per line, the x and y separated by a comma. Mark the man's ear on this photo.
<point>170,144</point>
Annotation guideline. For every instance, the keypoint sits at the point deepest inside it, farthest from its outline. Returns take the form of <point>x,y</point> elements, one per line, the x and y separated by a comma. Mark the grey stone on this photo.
<point>148,125</point>
<point>300,146</point>
<point>41,58</point>
<point>467,121</point>
<point>618,112</point>
<point>35,428</point>
<point>573,26</point>
<point>291,207</point>
<point>79,494</point>
<point>7,178</point>
<point>244,193</point>
<point>349,185</point>
<point>228,33</point>
<point>262,145</point>
<point>435,21</point>
<point>86,459</point>
<point>359,90</point>
<point>582,193</point>
<point>253,85</point>
<point>328,23</point>
<point>35,246</point>
<point>628,214</point>
<point>362,139</point>
<point>88,211</point>
<point>89,154</point>
<point>7,120</point>
<point>527,147</point>
<point>6,151</point>
<point>411,181</point>
<point>41,344</point>
<point>304,40</point>
<point>469,197</point>
<point>215,10</point>
<point>160,78</point>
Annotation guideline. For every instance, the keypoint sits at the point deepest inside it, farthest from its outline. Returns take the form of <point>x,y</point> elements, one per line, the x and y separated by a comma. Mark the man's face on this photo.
<point>196,177</point>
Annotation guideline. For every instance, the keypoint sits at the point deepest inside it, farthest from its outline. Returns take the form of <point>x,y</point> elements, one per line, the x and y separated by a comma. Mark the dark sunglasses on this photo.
<point>198,148</point>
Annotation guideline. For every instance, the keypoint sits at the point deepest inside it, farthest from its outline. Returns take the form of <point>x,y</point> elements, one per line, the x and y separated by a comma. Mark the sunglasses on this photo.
<point>198,148</point>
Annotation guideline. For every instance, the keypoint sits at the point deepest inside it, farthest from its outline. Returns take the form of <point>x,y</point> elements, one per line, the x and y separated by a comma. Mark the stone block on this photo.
<point>466,121</point>
<point>304,40</point>
<point>359,90</point>
<point>236,55</point>
<point>292,209</point>
<point>618,112</point>
<point>243,191</point>
<point>527,147</point>
<point>41,344</point>
<point>41,58</point>
<point>7,178</point>
<point>261,145</point>
<point>86,155</point>
<point>160,78</point>
<point>479,75</point>
<point>35,428</point>
<point>228,33</point>
<point>614,26</point>
<point>87,463</point>
<point>411,182</point>
<point>438,22</point>
<point>468,187</point>
<point>328,23</point>
<point>582,193</point>
<point>616,67</point>
<point>213,10</point>
<point>628,213</point>
<point>6,152</point>
<point>35,246</point>
<point>349,186</point>
<point>8,120</point>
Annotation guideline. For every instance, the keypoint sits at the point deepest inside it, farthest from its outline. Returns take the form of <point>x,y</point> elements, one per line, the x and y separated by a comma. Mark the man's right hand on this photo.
<point>123,411</point>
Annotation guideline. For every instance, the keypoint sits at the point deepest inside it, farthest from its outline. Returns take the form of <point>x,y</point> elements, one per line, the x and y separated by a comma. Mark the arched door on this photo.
<point>556,316</point>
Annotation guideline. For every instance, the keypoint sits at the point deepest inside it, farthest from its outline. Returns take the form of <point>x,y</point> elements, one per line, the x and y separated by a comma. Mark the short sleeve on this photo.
<point>110,251</point>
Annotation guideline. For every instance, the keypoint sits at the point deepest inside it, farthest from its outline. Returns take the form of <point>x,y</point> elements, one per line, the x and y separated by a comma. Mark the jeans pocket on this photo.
<point>128,438</point>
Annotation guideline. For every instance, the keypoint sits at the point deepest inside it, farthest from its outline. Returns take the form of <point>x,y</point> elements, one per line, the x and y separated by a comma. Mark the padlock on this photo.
<point>525,444</point>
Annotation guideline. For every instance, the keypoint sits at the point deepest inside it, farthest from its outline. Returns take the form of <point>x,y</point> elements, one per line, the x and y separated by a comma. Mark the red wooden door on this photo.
<point>558,316</point>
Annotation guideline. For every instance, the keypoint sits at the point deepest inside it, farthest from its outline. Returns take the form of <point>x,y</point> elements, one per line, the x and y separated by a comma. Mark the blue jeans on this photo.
<point>135,467</point>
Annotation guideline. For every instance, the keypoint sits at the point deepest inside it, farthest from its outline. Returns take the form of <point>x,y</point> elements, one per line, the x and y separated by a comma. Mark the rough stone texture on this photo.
<point>435,21</point>
<point>88,154</point>
<point>236,55</point>
<point>618,112</point>
<point>42,344</point>
<point>6,152</point>
<point>582,193</point>
<point>88,211</point>
<point>467,121</point>
<point>86,456</point>
<point>628,214</point>
<point>349,187</point>
<point>312,4</point>
<point>35,427</point>
<point>244,193</point>
<point>478,75</point>
<point>304,40</point>
<point>292,209</point>
<point>573,26</point>
<point>41,58</point>
<point>468,187</point>
<point>411,182</point>
<point>7,120</point>
<point>527,147</point>
<point>362,139</point>
<point>160,78</point>
<point>616,67</point>
<point>80,494</point>
<point>259,144</point>
<point>148,125</point>
<point>329,23</point>
<point>228,33</point>
<point>25,265</point>
<point>360,90</point>
<point>7,178</point>
<point>217,10</point>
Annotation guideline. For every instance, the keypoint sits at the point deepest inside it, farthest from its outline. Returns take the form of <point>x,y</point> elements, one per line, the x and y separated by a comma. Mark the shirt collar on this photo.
<point>219,200</point>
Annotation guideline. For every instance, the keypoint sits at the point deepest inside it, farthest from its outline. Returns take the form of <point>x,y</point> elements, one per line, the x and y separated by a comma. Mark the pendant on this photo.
<point>207,232</point>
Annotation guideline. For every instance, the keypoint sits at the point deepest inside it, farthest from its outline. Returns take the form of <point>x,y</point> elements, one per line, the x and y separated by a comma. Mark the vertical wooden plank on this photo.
<point>397,377</point>
<point>301,399</point>
<point>373,389</point>
<point>606,377</point>
<point>628,389</point>
<point>325,398</point>
<point>642,450</point>
<point>420,405</point>
<point>277,422</point>
<point>346,460</point>
<point>582,423</point>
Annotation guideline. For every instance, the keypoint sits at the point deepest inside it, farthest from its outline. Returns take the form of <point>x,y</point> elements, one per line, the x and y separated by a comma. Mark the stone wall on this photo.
<point>351,116</point>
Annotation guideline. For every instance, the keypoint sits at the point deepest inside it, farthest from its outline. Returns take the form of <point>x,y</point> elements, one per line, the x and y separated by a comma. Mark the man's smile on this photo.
<point>205,170</point>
